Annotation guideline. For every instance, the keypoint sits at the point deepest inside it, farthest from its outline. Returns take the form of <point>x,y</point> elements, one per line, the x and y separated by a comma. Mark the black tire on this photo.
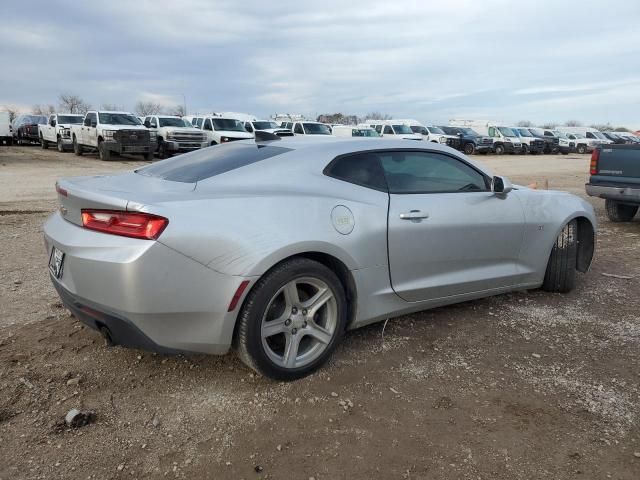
<point>43,143</point>
<point>498,149</point>
<point>162,150</point>
<point>248,340</point>
<point>103,152</point>
<point>561,268</point>
<point>10,142</point>
<point>469,148</point>
<point>148,156</point>
<point>525,149</point>
<point>77,148</point>
<point>581,149</point>
<point>619,212</point>
<point>213,142</point>
<point>60,145</point>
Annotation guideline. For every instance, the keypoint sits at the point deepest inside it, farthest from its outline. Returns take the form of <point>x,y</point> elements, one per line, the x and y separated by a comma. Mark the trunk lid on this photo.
<point>618,164</point>
<point>128,191</point>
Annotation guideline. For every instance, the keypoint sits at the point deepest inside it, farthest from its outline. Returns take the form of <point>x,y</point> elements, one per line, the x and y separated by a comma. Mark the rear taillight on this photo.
<point>61,191</point>
<point>127,224</point>
<point>595,157</point>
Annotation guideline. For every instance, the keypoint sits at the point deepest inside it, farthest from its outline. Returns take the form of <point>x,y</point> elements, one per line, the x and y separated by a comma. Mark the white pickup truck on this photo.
<point>57,130</point>
<point>175,135</point>
<point>113,132</point>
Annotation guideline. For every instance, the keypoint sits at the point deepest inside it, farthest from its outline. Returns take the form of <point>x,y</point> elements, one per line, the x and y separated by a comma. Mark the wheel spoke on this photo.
<point>269,329</point>
<point>291,351</point>
<point>317,301</point>
<point>291,294</point>
<point>319,333</point>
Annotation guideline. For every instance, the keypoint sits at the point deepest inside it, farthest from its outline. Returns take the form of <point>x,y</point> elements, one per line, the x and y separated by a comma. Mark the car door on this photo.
<point>449,234</point>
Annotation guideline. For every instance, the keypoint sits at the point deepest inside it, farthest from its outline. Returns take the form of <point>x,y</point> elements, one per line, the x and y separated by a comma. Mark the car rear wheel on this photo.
<point>561,267</point>
<point>43,143</point>
<point>619,212</point>
<point>581,149</point>
<point>77,148</point>
<point>60,145</point>
<point>469,149</point>
<point>498,149</point>
<point>525,149</point>
<point>162,150</point>
<point>292,320</point>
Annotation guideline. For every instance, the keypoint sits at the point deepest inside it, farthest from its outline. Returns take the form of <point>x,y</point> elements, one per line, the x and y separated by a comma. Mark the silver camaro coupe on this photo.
<point>276,248</point>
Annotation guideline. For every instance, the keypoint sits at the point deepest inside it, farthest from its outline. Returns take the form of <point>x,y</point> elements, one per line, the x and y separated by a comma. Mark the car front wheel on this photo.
<point>469,149</point>
<point>560,275</point>
<point>292,320</point>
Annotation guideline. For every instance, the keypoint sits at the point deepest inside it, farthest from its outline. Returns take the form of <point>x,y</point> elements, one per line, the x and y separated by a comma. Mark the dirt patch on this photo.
<point>520,386</point>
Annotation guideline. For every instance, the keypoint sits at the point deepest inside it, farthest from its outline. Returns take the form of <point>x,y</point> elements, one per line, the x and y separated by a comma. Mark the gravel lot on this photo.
<point>519,386</point>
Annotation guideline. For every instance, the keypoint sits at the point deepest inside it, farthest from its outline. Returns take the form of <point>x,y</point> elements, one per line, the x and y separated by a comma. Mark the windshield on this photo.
<point>364,132</point>
<point>470,131</point>
<point>75,119</point>
<point>228,124</point>
<point>264,125</point>
<point>506,131</point>
<point>560,134</point>
<point>523,132</point>
<point>316,129</point>
<point>173,122</point>
<point>600,135</point>
<point>537,132</point>
<point>451,130</point>
<point>401,129</point>
<point>436,130</point>
<point>418,129</point>
<point>31,119</point>
<point>578,135</point>
<point>118,119</point>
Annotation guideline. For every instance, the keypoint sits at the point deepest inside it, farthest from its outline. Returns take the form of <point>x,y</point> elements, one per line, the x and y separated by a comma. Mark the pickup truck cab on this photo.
<point>270,126</point>
<point>25,128</point>
<point>112,132</point>
<point>222,130</point>
<point>57,130</point>
<point>393,130</point>
<point>530,143</point>
<point>467,140</point>
<point>615,176</point>
<point>174,135</point>
<point>311,128</point>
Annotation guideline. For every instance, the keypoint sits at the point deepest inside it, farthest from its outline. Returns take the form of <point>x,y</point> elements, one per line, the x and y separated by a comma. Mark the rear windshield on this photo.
<point>209,162</point>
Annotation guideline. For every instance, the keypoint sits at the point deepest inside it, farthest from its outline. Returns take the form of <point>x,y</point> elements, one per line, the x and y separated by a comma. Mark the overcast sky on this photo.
<point>498,60</point>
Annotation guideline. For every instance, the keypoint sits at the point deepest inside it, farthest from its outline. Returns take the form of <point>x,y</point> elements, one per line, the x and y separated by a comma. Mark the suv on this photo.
<point>113,132</point>
<point>530,143</point>
<point>467,140</point>
<point>25,128</point>
<point>222,130</point>
<point>58,130</point>
<point>175,135</point>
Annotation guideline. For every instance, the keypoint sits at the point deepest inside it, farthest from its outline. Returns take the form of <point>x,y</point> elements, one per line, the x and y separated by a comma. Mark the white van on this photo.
<point>354,131</point>
<point>311,128</point>
<point>6,132</point>
<point>429,133</point>
<point>505,140</point>
<point>594,136</point>
<point>392,129</point>
<point>222,130</point>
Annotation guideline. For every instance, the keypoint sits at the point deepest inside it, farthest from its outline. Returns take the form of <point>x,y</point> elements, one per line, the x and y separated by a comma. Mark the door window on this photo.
<point>153,122</point>
<point>208,125</point>
<point>387,130</point>
<point>429,172</point>
<point>364,169</point>
<point>590,135</point>
<point>298,128</point>
<point>493,132</point>
<point>91,118</point>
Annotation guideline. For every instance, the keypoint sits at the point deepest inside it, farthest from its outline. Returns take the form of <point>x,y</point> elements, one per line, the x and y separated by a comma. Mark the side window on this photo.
<point>378,128</point>
<point>208,125</point>
<point>492,132</point>
<point>298,128</point>
<point>248,127</point>
<point>199,122</point>
<point>590,135</point>
<point>388,130</point>
<point>430,172</point>
<point>153,122</point>
<point>91,118</point>
<point>547,133</point>
<point>146,122</point>
<point>362,169</point>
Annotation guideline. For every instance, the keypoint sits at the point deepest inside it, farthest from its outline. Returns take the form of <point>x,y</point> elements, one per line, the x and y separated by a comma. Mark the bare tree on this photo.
<point>72,103</point>
<point>43,109</point>
<point>573,123</point>
<point>337,118</point>
<point>378,116</point>
<point>622,129</point>
<point>111,106</point>
<point>604,127</point>
<point>548,125</point>
<point>525,123</point>
<point>147,108</point>
<point>177,110</point>
<point>13,112</point>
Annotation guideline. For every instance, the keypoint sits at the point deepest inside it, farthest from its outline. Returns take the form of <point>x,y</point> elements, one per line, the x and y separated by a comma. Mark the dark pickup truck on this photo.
<point>615,176</point>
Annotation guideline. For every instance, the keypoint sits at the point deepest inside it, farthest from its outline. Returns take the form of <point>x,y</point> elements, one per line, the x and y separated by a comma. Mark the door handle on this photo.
<point>413,215</point>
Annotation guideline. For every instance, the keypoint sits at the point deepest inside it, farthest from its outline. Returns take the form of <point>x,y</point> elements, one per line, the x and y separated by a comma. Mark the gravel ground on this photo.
<point>519,386</point>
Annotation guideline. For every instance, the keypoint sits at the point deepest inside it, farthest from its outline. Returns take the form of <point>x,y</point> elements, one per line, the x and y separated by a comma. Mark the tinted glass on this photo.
<point>402,129</point>
<point>429,172</point>
<point>75,119</point>
<point>506,131</point>
<point>118,119</point>
<point>172,122</point>
<point>316,129</point>
<point>298,128</point>
<point>264,125</point>
<point>436,130</point>
<point>388,130</point>
<point>523,132</point>
<point>362,169</point>
<point>209,162</point>
<point>228,124</point>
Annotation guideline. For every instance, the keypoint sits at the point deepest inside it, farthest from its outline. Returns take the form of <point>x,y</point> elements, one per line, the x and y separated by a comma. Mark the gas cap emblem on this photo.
<point>342,219</point>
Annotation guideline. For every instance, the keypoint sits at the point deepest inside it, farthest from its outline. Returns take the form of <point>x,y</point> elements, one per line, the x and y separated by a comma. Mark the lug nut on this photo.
<point>304,311</point>
<point>294,331</point>
<point>294,310</point>
<point>287,322</point>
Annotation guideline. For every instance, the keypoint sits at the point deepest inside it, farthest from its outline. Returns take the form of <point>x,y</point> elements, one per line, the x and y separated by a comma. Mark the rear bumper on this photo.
<point>621,194</point>
<point>148,295</point>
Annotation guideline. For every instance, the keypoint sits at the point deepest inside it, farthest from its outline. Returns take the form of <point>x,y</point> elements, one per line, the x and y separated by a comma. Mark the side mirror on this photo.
<point>501,186</point>
<point>52,123</point>
<point>459,134</point>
